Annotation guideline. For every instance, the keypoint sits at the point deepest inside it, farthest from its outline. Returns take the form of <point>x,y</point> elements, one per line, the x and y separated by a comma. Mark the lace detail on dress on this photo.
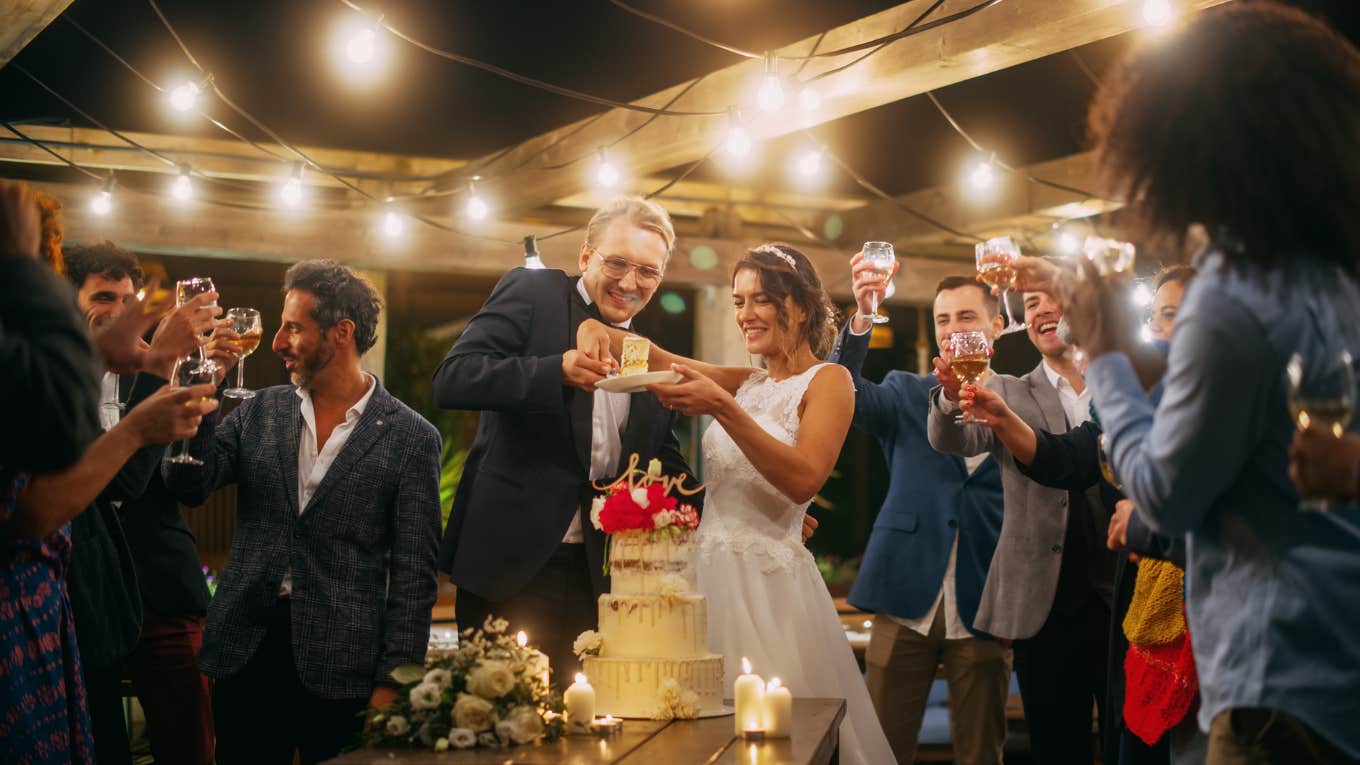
<point>777,554</point>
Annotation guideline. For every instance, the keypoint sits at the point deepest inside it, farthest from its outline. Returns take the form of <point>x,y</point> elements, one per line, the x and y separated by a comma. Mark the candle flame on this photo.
<point>774,683</point>
<point>522,638</point>
<point>745,666</point>
<point>609,718</point>
<point>580,679</point>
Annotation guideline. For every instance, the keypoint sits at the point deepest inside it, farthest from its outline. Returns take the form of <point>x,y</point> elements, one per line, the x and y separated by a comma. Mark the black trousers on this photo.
<point>1061,671</point>
<point>103,690</point>
<point>263,713</point>
<point>557,605</point>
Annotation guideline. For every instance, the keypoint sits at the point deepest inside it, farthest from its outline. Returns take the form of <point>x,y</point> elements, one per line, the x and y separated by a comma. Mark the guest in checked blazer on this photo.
<point>331,578</point>
<point>518,544</point>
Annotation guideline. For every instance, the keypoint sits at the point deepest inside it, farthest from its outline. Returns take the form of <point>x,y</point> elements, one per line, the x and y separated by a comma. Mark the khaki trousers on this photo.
<point>1267,737</point>
<point>899,668</point>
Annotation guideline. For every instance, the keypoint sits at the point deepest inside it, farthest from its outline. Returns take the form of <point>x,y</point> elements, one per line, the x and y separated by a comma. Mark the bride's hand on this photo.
<point>694,394</point>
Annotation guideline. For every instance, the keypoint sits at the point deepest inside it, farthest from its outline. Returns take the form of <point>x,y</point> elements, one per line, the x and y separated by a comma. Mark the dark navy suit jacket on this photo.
<point>931,497</point>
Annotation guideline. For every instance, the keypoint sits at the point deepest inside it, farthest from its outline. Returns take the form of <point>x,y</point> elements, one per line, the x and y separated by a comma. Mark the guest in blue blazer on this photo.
<point>931,545</point>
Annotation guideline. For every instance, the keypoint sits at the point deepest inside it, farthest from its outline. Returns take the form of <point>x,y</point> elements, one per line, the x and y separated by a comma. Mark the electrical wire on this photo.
<point>10,127</point>
<point>881,46</point>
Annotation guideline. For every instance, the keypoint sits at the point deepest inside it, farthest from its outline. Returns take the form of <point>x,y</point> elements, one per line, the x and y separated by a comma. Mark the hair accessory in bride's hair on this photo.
<point>770,249</point>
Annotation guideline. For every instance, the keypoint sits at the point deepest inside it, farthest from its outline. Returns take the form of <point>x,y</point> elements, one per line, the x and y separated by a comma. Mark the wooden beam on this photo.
<point>695,198</point>
<point>146,223</point>
<point>998,37</point>
<point>22,20</point>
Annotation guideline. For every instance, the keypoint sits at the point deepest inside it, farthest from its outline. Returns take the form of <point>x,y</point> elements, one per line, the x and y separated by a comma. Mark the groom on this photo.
<point>519,542</point>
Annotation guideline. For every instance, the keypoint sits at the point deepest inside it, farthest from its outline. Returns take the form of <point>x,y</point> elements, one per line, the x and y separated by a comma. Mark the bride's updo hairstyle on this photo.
<point>787,273</point>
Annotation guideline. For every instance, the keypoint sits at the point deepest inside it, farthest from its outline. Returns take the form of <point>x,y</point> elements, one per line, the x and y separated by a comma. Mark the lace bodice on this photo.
<point>744,512</point>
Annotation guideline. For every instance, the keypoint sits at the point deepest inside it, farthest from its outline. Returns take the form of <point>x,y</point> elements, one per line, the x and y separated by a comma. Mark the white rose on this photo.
<point>491,679</point>
<point>473,712</point>
<point>525,724</point>
<point>654,468</point>
<point>663,518</point>
<point>426,696</point>
<point>596,507</point>
<point>640,497</point>
<point>489,739</point>
<point>397,726</point>
<point>441,745</point>
<point>671,586</point>
<point>440,678</point>
<point>462,738</point>
<point>688,707</point>
<point>587,643</point>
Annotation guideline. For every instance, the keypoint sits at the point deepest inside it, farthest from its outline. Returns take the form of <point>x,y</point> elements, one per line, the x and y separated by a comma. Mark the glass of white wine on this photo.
<point>246,323</point>
<point>970,358</point>
<point>191,371</point>
<point>1322,396</point>
<point>188,289</point>
<point>996,267</point>
<point>880,256</point>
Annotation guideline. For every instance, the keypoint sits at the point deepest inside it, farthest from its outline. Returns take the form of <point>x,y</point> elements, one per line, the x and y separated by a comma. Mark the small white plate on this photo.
<point>637,382</point>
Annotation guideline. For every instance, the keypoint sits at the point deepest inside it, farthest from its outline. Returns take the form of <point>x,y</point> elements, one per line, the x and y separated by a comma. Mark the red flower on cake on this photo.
<point>628,509</point>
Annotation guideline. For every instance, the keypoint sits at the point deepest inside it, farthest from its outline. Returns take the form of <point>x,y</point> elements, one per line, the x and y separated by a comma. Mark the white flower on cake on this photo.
<point>398,726</point>
<point>462,738</point>
<point>588,643</point>
<point>491,680</point>
<point>596,505</point>
<point>640,497</point>
<point>523,724</point>
<point>474,713</point>
<point>674,702</point>
<point>426,696</point>
<point>689,705</point>
<point>672,586</point>
<point>441,678</point>
<point>654,468</point>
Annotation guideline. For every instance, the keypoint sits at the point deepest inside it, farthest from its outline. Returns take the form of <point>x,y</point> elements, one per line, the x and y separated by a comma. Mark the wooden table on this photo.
<point>816,731</point>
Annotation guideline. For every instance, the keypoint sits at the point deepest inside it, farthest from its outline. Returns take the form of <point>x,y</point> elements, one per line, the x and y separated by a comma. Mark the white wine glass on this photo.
<point>996,267</point>
<point>880,256</point>
<point>970,358</point>
<point>246,323</point>
<point>190,371</point>
<point>188,289</point>
<point>1321,396</point>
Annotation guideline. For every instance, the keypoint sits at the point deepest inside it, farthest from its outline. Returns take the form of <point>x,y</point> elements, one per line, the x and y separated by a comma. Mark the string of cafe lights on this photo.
<point>185,97</point>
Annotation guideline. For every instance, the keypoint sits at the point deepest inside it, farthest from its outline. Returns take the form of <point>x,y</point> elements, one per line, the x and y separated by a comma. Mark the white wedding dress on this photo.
<point>766,599</point>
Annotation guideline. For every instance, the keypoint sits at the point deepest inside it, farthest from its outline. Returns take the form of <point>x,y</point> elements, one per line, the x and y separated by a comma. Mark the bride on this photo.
<point>774,442</point>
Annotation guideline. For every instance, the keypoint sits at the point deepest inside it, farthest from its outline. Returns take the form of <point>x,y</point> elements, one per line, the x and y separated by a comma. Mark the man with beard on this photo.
<point>331,576</point>
<point>516,544</point>
<point>1051,580</point>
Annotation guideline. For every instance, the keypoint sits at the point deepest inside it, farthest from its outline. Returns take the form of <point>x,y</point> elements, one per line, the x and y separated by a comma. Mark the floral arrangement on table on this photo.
<point>492,691</point>
<point>641,501</point>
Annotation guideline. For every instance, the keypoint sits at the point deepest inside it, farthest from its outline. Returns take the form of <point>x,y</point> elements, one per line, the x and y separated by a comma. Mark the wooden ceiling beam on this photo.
<point>22,20</point>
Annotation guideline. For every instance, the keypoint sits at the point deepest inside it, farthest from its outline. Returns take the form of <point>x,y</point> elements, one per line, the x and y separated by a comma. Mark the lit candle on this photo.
<point>747,695</point>
<point>522,638</point>
<point>580,702</point>
<point>778,710</point>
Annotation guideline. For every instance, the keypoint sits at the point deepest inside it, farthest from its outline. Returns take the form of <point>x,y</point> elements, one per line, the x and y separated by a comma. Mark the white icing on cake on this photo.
<point>640,566</point>
<point>640,626</point>
<point>631,687</point>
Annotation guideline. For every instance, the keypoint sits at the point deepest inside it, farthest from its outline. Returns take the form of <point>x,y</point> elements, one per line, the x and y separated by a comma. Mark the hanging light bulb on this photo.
<point>1158,13</point>
<point>290,194</point>
<point>531,257</point>
<point>1068,244</point>
<point>738,142</point>
<point>982,177</point>
<point>606,174</point>
<point>809,163</point>
<point>477,208</point>
<point>362,45</point>
<point>184,97</point>
<point>183,187</point>
<point>1142,295</point>
<point>360,50</point>
<point>102,202</point>
<point>770,96</point>
<point>809,100</point>
<point>393,224</point>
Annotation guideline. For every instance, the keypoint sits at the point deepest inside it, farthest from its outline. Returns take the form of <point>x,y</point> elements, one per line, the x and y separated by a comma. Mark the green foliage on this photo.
<point>837,570</point>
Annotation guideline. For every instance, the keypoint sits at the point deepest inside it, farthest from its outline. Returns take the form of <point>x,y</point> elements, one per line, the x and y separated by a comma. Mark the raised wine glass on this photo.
<point>996,267</point>
<point>1321,395</point>
<point>246,323</point>
<point>970,358</point>
<point>188,289</point>
<point>191,371</point>
<point>880,256</point>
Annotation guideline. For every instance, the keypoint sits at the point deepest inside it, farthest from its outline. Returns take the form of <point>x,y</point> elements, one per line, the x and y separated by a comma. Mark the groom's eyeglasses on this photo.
<point>616,267</point>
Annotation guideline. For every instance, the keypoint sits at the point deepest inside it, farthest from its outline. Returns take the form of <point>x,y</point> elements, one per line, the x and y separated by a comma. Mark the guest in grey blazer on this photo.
<point>1050,583</point>
<point>331,577</point>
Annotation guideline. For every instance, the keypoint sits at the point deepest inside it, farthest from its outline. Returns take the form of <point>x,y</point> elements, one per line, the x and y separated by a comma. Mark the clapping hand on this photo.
<point>694,394</point>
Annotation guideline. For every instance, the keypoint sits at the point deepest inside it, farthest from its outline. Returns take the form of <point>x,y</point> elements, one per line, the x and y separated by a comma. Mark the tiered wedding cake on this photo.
<point>650,657</point>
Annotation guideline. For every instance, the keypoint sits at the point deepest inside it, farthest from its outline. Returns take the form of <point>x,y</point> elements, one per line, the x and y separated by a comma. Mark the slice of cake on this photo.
<point>635,352</point>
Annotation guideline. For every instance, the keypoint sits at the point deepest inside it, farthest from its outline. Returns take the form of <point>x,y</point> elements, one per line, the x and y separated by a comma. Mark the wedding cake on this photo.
<point>650,656</point>
<point>635,352</point>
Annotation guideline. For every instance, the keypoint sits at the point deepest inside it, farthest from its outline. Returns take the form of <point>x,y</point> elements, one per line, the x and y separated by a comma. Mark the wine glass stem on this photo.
<point>873,305</point>
<point>183,449</point>
<point>241,373</point>
<point>1006,304</point>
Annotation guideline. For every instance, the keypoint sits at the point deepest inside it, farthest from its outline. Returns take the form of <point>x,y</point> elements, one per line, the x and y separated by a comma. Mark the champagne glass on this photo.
<point>1321,395</point>
<point>188,289</point>
<point>970,357</point>
<point>880,256</point>
<point>1111,257</point>
<point>246,323</point>
<point>996,267</point>
<point>191,371</point>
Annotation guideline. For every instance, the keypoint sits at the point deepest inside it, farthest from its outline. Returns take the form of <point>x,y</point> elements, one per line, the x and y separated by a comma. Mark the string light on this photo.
<point>359,50</point>
<point>770,96</point>
<point>1142,295</point>
<point>1158,13</point>
<point>184,97</point>
<point>532,260</point>
<point>290,194</point>
<point>1068,244</point>
<point>738,142</point>
<point>477,208</point>
<point>102,202</point>
<point>982,176</point>
<point>809,100</point>
<point>809,163</point>
<point>183,187</point>
<point>606,174</point>
<point>393,222</point>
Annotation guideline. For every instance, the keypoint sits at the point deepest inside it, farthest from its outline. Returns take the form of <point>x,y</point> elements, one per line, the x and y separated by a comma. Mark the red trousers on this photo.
<point>176,697</point>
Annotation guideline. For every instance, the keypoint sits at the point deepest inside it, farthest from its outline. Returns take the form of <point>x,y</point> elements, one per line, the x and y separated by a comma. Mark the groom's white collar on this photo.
<point>581,288</point>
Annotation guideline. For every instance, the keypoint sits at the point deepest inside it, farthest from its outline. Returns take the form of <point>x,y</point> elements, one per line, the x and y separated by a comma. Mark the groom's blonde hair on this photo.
<point>643,213</point>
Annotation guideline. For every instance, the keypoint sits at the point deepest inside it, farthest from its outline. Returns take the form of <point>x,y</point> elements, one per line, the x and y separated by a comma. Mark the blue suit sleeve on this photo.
<point>876,406</point>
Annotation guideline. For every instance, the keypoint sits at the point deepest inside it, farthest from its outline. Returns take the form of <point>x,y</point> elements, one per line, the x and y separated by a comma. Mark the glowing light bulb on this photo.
<point>606,174</point>
<point>1068,243</point>
<point>809,163</point>
<point>522,638</point>
<point>102,203</point>
<point>393,225</point>
<point>477,208</point>
<point>183,188</point>
<point>1145,334</point>
<point>738,143</point>
<point>1142,295</point>
<point>1158,13</point>
<point>770,97</point>
<point>809,100</point>
<point>362,45</point>
<point>184,97</point>
<point>983,176</point>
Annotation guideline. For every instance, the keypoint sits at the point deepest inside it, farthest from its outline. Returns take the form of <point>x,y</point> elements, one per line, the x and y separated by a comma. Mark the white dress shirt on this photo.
<point>312,465</point>
<point>1076,405</point>
<point>108,401</point>
<point>609,417</point>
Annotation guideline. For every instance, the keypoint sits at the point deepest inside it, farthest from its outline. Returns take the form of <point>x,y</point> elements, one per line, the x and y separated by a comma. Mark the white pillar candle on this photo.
<point>778,710</point>
<point>580,702</point>
<point>747,696</point>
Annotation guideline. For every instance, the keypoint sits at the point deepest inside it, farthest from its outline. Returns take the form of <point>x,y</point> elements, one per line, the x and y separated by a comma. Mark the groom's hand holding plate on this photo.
<point>579,370</point>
